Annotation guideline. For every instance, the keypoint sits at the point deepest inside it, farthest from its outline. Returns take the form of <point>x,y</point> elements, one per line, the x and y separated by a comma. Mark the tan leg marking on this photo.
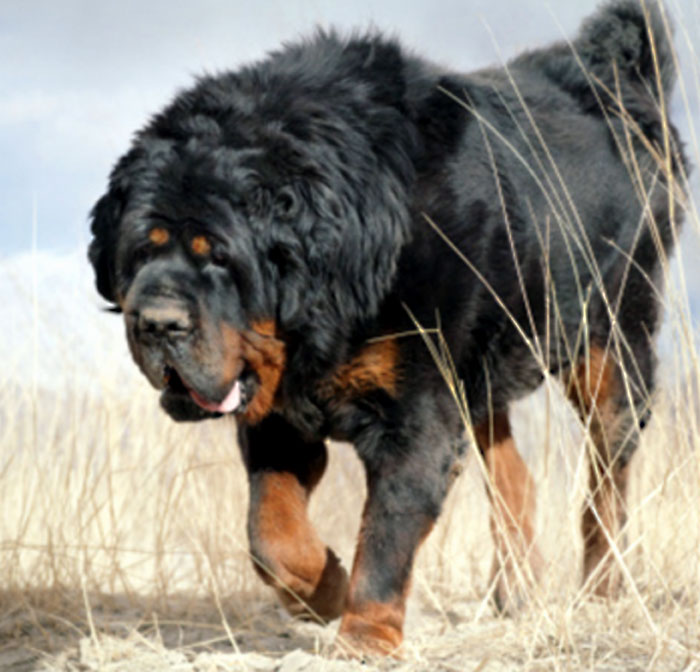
<point>307,575</point>
<point>512,493</point>
<point>370,627</point>
<point>592,388</point>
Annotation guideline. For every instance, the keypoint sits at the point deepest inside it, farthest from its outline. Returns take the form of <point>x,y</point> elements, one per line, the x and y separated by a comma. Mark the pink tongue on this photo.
<point>231,403</point>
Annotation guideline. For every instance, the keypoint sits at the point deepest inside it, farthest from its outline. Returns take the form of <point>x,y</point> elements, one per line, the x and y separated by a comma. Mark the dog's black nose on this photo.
<point>167,320</point>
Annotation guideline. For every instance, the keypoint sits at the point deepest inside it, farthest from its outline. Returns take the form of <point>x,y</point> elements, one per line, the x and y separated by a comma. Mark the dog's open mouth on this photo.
<point>235,400</point>
<point>231,402</point>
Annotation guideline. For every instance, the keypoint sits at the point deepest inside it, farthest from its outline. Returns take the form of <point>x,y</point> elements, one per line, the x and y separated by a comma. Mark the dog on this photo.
<point>293,241</point>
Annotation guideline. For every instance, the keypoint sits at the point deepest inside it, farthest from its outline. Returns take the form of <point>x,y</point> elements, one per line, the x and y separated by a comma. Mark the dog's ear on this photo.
<point>105,217</point>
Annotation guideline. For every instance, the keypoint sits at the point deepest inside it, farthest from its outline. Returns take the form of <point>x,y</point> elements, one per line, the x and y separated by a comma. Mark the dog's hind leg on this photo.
<point>596,388</point>
<point>287,553</point>
<point>511,489</point>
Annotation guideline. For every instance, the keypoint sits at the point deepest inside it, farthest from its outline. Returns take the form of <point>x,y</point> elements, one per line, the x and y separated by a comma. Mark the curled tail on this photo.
<point>633,36</point>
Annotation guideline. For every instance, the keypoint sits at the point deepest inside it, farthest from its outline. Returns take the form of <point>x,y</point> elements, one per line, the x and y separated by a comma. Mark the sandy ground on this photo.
<point>266,640</point>
<point>588,636</point>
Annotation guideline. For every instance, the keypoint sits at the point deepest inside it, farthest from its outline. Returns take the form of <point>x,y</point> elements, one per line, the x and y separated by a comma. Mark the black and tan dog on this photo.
<point>274,236</point>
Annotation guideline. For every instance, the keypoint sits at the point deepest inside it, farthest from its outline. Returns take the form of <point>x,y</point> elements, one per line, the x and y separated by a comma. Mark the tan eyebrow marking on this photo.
<point>158,236</point>
<point>200,246</point>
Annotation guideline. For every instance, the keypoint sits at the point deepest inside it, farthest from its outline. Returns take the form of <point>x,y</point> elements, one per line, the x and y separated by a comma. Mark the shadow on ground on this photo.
<point>60,629</point>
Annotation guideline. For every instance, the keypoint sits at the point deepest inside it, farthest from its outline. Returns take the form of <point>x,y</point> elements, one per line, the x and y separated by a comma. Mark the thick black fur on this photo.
<point>331,176</point>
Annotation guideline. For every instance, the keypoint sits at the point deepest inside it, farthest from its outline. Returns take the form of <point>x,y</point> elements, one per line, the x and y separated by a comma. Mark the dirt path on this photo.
<point>466,637</point>
<point>268,642</point>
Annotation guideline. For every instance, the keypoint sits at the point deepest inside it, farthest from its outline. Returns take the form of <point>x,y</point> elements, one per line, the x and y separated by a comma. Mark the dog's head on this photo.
<point>173,248</point>
<point>230,231</point>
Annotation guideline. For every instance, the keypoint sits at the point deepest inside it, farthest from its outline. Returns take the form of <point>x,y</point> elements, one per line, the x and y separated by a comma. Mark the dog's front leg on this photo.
<point>408,474</point>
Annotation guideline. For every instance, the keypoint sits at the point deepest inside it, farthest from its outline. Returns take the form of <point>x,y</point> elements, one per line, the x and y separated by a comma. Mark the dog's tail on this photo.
<point>634,38</point>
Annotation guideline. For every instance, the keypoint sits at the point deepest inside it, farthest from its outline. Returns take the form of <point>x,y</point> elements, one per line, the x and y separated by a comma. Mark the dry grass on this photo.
<point>123,542</point>
<point>122,534</point>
